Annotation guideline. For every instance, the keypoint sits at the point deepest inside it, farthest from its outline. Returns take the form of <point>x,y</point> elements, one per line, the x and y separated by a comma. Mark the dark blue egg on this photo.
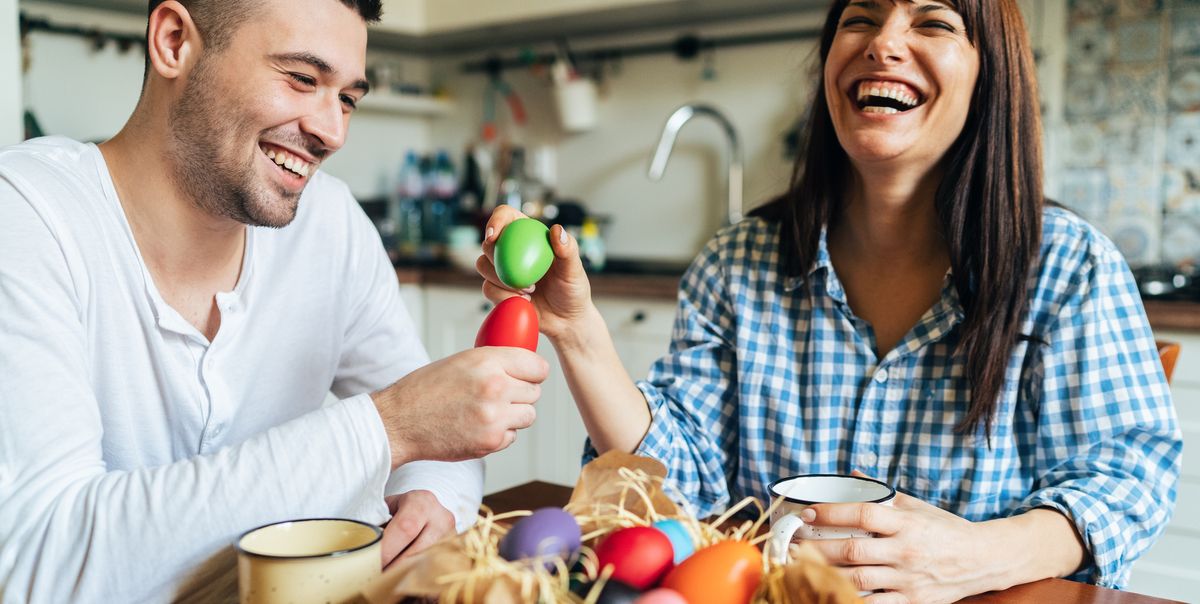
<point>547,534</point>
<point>614,592</point>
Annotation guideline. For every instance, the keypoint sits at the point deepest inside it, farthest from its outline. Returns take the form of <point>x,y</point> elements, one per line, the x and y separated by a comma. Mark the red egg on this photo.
<point>723,573</point>
<point>639,555</point>
<point>512,323</point>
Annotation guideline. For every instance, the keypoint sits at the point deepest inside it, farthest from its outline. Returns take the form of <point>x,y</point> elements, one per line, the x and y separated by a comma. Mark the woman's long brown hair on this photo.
<point>989,203</point>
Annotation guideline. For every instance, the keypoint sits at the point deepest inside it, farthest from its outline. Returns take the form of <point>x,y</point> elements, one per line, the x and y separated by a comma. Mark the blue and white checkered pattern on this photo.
<point>768,376</point>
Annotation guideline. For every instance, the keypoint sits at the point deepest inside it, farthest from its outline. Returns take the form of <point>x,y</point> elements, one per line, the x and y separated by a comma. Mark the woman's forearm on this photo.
<point>613,409</point>
<point>1039,544</point>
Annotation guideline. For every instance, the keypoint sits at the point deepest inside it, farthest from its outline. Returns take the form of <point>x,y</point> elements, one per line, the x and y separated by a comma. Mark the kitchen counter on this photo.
<point>1163,315</point>
<point>1179,315</point>
<point>656,286</point>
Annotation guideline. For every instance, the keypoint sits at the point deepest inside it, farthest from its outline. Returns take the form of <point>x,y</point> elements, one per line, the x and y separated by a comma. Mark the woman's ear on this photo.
<point>172,40</point>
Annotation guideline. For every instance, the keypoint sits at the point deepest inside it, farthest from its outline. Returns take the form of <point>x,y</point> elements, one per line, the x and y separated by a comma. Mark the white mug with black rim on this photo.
<point>799,492</point>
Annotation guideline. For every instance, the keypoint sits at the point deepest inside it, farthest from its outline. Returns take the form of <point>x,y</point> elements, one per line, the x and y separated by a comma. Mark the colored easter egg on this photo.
<point>661,595</point>
<point>548,533</point>
<point>512,323</point>
<point>613,592</point>
<point>639,555</point>
<point>723,573</point>
<point>681,540</point>
<point>523,253</point>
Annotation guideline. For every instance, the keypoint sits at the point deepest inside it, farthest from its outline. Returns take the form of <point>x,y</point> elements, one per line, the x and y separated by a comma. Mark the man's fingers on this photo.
<point>873,517</point>
<point>521,416</point>
<point>522,364</point>
<point>431,534</point>
<point>397,535</point>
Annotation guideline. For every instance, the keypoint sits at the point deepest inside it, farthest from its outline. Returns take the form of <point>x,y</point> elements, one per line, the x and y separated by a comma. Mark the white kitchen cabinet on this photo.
<point>11,108</point>
<point>549,450</point>
<point>1169,569</point>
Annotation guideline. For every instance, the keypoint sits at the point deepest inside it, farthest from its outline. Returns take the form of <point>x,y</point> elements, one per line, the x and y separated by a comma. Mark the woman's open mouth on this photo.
<point>886,97</point>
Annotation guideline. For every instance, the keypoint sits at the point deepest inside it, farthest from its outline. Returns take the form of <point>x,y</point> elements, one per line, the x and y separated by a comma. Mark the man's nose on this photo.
<point>327,122</point>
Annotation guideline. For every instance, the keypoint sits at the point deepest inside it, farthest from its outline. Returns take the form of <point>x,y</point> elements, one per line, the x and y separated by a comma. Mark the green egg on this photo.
<point>523,253</point>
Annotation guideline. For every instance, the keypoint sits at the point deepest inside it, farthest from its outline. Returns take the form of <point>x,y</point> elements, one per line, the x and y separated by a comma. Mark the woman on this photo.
<point>909,309</point>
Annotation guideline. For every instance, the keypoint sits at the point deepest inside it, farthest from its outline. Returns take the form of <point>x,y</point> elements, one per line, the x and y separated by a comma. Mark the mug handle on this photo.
<point>782,531</point>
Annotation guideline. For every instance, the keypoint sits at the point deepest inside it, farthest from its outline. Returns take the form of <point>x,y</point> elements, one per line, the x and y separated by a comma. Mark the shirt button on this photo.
<point>881,376</point>
<point>867,460</point>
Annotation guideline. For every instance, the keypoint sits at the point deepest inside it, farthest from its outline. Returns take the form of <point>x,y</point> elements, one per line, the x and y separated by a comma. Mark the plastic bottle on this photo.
<point>438,218</point>
<point>591,245</point>
<point>407,207</point>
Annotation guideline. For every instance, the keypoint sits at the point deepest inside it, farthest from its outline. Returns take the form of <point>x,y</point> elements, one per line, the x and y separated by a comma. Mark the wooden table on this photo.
<point>533,495</point>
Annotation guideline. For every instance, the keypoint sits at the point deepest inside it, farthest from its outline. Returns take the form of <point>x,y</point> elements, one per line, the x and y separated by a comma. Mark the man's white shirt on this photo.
<point>132,449</point>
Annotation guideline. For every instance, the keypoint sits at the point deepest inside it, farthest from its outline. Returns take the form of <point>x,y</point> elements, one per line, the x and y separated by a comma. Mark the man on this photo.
<point>175,303</point>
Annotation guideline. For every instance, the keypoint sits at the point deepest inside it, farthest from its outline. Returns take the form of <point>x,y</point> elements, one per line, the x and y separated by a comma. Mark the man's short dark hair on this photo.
<point>217,20</point>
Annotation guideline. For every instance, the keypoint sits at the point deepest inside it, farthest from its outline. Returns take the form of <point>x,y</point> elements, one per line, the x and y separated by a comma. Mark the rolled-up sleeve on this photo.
<point>1107,440</point>
<point>691,392</point>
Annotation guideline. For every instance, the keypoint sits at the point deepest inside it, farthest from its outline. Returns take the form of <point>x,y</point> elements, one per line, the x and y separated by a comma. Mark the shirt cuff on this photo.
<point>457,486</point>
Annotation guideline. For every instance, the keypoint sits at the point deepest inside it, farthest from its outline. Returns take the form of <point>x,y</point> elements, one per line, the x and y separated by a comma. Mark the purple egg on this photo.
<point>548,532</point>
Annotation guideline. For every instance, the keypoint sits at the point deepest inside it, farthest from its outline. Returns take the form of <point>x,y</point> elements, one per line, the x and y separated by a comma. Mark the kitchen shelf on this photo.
<point>405,104</point>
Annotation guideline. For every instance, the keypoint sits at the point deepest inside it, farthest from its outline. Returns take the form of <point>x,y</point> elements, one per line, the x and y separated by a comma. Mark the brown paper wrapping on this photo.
<point>614,490</point>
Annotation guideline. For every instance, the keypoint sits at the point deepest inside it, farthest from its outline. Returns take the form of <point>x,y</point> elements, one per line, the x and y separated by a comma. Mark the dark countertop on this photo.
<point>1163,314</point>
<point>653,286</point>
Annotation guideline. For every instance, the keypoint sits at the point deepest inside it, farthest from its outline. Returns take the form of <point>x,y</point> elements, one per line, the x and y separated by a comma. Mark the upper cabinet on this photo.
<point>445,26</point>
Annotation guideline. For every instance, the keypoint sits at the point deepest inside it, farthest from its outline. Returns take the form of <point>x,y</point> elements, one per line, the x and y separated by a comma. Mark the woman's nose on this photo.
<point>888,46</point>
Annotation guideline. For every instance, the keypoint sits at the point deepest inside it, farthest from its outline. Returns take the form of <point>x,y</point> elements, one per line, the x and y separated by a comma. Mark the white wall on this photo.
<point>10,75</point>
<point>88,95</point>
<point>762,89</point>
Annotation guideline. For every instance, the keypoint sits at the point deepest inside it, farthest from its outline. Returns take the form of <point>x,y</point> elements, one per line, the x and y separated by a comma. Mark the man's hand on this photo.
<point>418,521</point>
<point>465,406</point>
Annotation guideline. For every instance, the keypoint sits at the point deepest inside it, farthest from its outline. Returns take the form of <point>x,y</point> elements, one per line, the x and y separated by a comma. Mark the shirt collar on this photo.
<point>944,315</point>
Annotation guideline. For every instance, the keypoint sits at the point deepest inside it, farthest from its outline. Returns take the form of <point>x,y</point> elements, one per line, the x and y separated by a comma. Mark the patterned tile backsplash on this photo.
<point>1132,125</point>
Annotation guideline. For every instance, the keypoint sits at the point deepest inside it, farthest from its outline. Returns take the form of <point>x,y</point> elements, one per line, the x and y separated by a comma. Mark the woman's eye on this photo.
<point>303,79</point>
<point>940,25</point>
<point>856,21</point>
<point>349,102</point>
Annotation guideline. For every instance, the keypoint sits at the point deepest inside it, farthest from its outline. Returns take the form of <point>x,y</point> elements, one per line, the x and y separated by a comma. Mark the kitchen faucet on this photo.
<point>733,162</point>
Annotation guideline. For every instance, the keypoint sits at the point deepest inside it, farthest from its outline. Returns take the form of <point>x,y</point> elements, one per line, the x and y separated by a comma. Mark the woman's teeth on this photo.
<point>289,161</point>
<point>886,97</point>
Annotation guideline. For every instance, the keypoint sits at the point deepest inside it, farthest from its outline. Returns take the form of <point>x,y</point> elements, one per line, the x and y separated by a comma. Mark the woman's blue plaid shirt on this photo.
<point>768,376</point>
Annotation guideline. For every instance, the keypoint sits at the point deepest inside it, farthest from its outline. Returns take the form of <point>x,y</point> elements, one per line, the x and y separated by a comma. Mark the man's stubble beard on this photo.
<point>222,185</point>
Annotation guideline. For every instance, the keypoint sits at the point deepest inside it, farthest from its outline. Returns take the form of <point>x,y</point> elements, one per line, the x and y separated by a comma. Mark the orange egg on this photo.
<point>723,573</point>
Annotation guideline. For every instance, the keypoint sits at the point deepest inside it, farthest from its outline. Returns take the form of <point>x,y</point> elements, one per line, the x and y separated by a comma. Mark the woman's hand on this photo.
<point>564,297</point>
<point>922,554</point>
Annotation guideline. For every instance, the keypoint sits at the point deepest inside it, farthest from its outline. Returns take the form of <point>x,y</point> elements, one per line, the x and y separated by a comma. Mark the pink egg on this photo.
<point>661,595</point>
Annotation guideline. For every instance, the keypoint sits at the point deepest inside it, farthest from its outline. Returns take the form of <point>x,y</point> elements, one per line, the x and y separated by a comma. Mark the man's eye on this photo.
<point>349,101</point>
<point>303,79</point>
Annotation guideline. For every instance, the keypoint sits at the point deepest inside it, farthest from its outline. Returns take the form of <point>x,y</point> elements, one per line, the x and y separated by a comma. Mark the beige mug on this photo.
<point>799,492</point>
<point>310,560</point>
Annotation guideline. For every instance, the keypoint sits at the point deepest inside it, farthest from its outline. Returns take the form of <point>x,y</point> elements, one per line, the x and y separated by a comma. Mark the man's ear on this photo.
<point>172,40</point>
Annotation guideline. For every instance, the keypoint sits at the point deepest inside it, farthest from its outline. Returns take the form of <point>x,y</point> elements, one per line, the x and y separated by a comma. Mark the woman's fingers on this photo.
<point>501,217</point>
